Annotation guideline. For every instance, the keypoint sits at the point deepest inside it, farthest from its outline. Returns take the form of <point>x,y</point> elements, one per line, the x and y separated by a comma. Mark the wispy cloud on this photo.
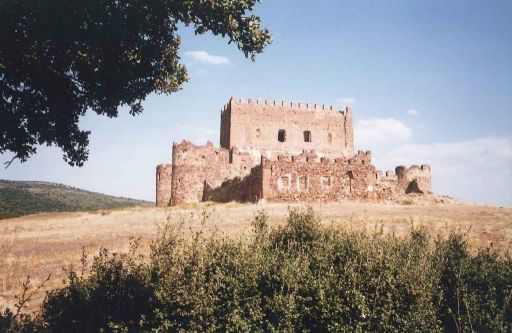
<point>206,58</point>
<point>412,112</point>
<point>346,101</point>
<point>380,131</point>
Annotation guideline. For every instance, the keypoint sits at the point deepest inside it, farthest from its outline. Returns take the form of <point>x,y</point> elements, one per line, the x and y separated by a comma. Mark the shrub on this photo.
<point>300,277</point>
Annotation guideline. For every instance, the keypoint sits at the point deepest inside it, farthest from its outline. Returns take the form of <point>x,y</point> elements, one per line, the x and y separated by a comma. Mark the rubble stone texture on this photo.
<point>285,152</point>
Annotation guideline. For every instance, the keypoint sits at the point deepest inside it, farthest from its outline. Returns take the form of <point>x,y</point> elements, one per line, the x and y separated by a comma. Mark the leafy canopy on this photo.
<point>60,58</point>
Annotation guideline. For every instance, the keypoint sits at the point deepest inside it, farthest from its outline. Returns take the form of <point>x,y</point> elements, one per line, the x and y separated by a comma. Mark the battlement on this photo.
<point>234,101</point>
<point>362,157</point>
<point>187,153</point>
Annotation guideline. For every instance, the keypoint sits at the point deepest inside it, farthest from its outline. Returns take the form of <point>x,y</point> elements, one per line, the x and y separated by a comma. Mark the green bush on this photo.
<point>300,277</point>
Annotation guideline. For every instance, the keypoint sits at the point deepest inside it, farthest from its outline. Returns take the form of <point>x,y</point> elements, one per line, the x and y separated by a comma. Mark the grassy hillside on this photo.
<point>18,198</point>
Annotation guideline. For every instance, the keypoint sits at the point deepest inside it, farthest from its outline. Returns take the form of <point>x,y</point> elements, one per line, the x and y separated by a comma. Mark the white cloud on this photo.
<point>477,170</point>
<point>412,112</point>
<point>206,58</point>
<point>346,101</point>
<point>380,132</point>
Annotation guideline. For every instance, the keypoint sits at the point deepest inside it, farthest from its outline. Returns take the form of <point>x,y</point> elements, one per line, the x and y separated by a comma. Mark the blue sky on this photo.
<point>429,82</point>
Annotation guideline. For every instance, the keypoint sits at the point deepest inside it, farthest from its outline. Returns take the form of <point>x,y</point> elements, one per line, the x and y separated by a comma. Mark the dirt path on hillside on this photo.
<point>45,243</point>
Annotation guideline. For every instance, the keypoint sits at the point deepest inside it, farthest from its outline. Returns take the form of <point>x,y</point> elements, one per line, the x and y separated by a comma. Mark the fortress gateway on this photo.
<point>281,152</point>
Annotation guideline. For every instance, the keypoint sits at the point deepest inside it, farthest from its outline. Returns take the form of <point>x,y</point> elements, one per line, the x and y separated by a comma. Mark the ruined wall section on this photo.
<point>306,178</point>
<point>241,189</point>
<point>412,180</point>
<point>163,185</point>
<point>415,179</point>
<point>196,168</point>
<point>254,126</point>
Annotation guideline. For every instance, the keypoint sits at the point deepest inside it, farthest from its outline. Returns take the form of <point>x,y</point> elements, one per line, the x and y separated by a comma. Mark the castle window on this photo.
<point>303,183</point>
<point>281,135</point>
<point>329,138</point>
<point>307,136</point>
<point>326,183</point>
<point>258,133</point>
<point>283,183</point>
<point>350,175</point>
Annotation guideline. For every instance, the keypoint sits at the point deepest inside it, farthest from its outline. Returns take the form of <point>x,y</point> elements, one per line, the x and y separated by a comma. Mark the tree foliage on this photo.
<point>60,58</point>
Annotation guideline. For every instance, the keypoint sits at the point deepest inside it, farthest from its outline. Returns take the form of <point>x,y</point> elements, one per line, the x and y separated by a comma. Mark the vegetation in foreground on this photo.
<point>300,277</point>
<point>18,198</point>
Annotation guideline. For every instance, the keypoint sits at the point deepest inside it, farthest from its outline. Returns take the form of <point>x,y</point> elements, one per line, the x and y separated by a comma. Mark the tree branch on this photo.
<point>8,163</point>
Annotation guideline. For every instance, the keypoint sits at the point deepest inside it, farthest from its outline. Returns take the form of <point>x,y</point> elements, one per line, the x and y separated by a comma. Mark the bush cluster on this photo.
<point>299,277</point>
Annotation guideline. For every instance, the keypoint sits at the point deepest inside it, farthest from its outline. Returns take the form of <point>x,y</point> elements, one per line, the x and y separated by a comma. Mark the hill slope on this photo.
<point>18,198</point>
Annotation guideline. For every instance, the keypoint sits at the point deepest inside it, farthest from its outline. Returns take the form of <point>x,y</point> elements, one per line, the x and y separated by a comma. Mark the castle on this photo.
<point>283,152</point>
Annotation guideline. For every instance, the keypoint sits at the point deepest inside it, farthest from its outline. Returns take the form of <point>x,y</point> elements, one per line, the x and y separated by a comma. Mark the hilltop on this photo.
<point>19,198</point>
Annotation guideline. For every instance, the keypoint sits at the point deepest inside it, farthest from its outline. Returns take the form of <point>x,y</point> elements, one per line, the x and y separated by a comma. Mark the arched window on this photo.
<point>281,135</point>
<point>307,136</point>
<point>329,138</point>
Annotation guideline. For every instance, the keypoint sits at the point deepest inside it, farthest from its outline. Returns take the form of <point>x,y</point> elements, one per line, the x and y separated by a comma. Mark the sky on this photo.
<point>429,82</point>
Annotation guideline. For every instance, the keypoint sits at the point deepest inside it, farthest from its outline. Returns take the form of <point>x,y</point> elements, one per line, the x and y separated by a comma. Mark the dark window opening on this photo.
<point>307,136</point>
<point>326,181</point>
<point>281,135</point>
<point>329,138</point>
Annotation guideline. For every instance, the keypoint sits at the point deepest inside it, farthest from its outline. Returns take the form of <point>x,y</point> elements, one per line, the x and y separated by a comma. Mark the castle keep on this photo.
<point>281,152</point>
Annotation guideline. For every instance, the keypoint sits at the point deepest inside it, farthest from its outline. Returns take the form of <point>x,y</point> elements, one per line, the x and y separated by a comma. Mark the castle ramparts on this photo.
<point>285,152</point>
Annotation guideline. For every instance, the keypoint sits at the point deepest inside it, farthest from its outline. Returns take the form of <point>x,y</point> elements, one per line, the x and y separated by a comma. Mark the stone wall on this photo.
<point>163,185</point>
<point>197,167</point>
<point>255,125</point>
<point>206,173</point>
<point>415,179</point>
<point>308,178</point>
<point>241,189</point>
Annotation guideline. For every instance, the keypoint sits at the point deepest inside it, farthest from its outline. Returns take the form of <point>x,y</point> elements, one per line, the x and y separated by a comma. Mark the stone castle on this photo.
<point>283,152</point>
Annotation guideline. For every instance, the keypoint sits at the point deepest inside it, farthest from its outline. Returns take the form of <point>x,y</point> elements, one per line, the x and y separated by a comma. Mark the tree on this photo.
<point>60,58</point>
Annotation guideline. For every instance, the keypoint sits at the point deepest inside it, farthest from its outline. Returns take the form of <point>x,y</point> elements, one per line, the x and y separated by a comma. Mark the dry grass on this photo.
<point>43,244</point>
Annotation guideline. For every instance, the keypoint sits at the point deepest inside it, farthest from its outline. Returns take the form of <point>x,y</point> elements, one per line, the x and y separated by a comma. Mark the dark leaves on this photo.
<point>60,58</point>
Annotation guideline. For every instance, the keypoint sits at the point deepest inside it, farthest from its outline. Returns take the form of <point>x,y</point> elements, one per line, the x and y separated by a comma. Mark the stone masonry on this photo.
<point>284,152</point>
